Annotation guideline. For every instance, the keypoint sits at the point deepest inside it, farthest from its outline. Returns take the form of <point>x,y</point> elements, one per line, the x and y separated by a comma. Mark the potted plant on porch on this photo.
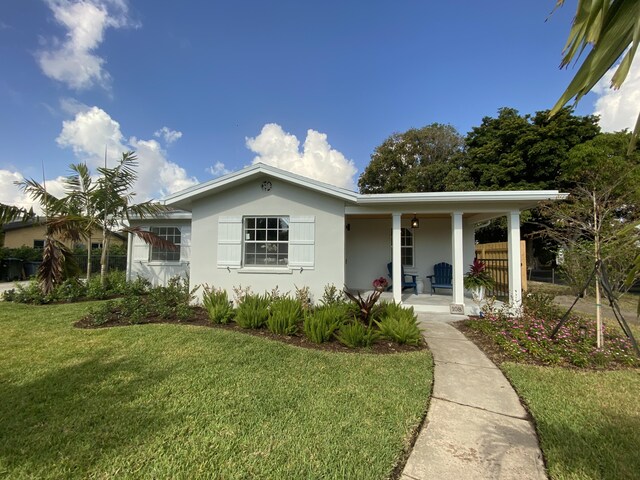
<point>477,279</point>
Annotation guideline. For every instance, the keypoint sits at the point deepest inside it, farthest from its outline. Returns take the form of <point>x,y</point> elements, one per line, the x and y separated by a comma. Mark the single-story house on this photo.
<point>263,227</point>
<point>31,233</point>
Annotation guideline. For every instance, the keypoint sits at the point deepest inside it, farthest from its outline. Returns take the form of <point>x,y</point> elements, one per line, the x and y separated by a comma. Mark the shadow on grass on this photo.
<point>604,448</point>
<point>74,417</point>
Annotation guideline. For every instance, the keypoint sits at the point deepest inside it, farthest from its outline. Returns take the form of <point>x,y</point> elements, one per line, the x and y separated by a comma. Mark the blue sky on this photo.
<point>201,88</point>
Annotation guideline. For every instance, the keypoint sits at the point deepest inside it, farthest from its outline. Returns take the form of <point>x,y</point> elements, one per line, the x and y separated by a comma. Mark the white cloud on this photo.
<point>618,109</point>
<point>169,136</point>
<point>90,131</point>
<point>73,60</point>
<point>11,194</point>
<point>218,169</point>
<point>317,160</point>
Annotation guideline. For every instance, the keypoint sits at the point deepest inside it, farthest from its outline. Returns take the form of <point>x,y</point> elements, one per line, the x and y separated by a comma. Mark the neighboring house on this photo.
<point>263,227</point>
<point>32,233</point>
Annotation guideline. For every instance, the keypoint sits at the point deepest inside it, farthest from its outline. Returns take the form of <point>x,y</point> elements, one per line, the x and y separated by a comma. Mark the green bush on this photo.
<point>354,335</point>
<point>29,293</point>
<point>70,290</point>
<point>331,296</point>
<point>174,300</point>
<point>284,316</point>
<point>216,303</point>
<point>253,311</point>
<point>400,325</point>
<point>320,325</point>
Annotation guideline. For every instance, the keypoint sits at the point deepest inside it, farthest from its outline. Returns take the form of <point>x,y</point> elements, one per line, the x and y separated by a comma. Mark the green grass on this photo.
<point>172,401</point>
<point>588,421</point>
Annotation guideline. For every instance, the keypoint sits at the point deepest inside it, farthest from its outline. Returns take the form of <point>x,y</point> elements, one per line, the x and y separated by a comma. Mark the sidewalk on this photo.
<point>476,427</point>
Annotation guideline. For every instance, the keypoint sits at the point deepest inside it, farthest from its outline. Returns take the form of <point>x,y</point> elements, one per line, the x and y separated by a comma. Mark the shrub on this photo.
<point>365,305</point>
<point>174,300</point>
<point>70,290</point>
<point>320,325</point>
<point>303,295</point>
<point>253,311</point>
<point>400,325</point>
<point>216,303</point>
<point>354,335</point>
<point>331,296</point>
<point>29,293</point>
<point>284,316</point>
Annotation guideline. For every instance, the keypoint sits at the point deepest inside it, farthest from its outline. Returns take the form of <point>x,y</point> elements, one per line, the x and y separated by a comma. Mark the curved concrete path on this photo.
<point>476,427</point>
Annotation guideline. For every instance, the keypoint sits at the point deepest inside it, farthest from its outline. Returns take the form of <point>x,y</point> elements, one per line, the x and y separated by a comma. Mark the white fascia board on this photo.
<point>461,197</point>
<point>184,197</point>
<point>163,216</point>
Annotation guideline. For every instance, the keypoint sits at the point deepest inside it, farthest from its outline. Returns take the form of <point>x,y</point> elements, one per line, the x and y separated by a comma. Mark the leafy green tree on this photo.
<point>521,152</point>
<point>419,160</point>
<point>593,225</point>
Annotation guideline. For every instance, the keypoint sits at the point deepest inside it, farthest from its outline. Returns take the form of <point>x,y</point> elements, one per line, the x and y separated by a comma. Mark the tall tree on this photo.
<point>520,152</point>
<point>593,225</point>
<point>427,159</point>
<point>103,204</point>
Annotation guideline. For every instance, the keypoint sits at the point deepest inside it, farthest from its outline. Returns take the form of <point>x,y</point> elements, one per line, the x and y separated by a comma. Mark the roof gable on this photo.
<point>183,198</point>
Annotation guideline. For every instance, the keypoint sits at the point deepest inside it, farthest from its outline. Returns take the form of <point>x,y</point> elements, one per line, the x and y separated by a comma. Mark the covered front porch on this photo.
<point>438,303</point>
<point>413,241</point>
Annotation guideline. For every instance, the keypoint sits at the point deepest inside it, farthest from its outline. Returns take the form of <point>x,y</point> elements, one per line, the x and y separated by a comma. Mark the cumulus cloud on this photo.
<point>10,193</point>
<point>218,169</point>
<point>317,159</point>
<point>73,60</point>
<point>168,135</point>
<point>92,130</point>
<point>618,109</point>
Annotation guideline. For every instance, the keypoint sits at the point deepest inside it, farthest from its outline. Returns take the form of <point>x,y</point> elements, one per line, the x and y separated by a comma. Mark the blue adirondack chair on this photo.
<point>405,283</point>
<point>442,277</point>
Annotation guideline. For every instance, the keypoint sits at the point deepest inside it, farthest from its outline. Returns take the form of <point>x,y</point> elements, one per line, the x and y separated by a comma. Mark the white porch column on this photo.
<point>515,279</point>
<point>396,258</point>
<point>457,254</point>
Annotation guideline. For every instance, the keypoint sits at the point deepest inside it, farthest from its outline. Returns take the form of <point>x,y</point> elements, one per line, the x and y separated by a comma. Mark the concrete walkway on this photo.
<point>476,427</point>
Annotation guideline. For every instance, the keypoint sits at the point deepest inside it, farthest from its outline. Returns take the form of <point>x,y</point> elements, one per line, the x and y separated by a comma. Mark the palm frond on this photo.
<point>51,270</point>
<point>75,228</point>
<point>151,238</point>
<point>610,27</point>
<point>9,213</point>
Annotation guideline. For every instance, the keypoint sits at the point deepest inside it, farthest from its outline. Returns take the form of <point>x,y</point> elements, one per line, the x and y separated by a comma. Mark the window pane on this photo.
<point>283,235</point>
<point>261,223</point>
<point>272,223</point>
<point>251,222</point>
<point>261,235</point>
<point>272,234</point>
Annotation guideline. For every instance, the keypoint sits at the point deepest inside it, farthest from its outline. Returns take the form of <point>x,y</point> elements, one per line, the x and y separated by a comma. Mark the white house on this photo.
<point>262,227</point>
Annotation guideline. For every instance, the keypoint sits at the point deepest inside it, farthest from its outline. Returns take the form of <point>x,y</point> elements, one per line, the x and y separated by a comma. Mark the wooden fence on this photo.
<point>496,258</point>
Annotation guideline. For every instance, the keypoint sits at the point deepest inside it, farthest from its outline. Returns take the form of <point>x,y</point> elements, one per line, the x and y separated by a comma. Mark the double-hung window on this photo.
<point>406,247</point>
<point>266,241</point>
<point>171,234</point>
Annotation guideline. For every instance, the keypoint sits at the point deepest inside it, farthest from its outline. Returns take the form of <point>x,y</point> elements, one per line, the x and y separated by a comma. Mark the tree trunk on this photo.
<point>103,257</point>
<point>596,246</point>
<point>88,258</point>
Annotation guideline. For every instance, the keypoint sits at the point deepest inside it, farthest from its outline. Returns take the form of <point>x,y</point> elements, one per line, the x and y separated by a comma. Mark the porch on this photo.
<point>415,242</point>
<point>437,303</point>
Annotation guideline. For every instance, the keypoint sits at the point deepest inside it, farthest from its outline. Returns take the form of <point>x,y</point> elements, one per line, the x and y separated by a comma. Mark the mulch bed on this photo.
<point>483,342</point>
<point>200,318</point>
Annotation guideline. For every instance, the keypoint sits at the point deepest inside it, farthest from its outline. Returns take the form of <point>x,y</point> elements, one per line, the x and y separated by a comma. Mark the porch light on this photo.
<point>415,223</point>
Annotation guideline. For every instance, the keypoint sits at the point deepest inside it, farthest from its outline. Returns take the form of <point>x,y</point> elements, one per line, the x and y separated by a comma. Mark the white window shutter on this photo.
<point>229,241</point>
<point>139,249</point>
<point>302,236</point>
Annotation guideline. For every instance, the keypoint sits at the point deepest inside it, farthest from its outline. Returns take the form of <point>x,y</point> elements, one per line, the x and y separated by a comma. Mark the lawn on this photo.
<point>174,401</point>
<point>588,422</point>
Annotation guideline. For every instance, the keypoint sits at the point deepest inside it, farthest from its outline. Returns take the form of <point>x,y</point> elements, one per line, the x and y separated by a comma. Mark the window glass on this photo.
<point>266,241</point>
<point>171,234</point>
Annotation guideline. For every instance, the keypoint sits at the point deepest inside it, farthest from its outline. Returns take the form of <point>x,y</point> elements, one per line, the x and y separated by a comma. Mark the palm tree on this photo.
<point>88,205</point>
<point>610,27</point>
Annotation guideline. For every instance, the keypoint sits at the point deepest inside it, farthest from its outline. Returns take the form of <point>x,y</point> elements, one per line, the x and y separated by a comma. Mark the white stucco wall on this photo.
<point>284,199</point>
<point>158,273</point>
<point>368,248</point>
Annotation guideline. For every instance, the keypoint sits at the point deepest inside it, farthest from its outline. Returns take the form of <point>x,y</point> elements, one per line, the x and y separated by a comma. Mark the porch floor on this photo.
<point>436,303</point>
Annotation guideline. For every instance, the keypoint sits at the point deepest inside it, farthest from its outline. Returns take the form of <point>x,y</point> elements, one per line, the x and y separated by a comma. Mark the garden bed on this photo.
<point>200,318</point>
